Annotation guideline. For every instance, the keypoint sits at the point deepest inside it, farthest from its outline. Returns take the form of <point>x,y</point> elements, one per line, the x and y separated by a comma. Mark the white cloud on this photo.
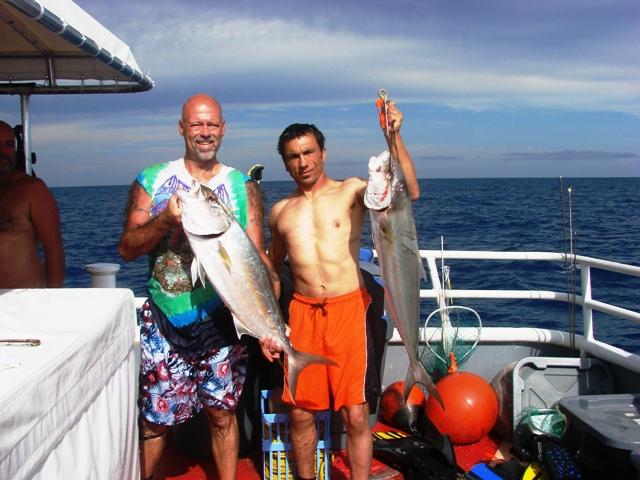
<point>265,51</point>
<point>275,63</point>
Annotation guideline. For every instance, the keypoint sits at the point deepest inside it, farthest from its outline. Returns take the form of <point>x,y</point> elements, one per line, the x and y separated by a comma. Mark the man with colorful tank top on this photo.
<point>191,357</point>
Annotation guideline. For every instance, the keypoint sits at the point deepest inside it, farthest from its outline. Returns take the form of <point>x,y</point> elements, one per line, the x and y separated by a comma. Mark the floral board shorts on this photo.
<point>174,386</point>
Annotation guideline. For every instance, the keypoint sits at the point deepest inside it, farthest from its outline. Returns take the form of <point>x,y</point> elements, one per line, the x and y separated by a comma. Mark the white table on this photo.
<point>68,407</point>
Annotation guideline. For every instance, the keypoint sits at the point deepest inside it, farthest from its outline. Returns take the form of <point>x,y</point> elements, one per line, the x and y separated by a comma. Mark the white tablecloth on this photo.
<point>68,407</point>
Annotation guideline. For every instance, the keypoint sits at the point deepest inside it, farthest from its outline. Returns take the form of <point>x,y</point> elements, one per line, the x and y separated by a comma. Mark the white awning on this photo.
<point>53,46</point>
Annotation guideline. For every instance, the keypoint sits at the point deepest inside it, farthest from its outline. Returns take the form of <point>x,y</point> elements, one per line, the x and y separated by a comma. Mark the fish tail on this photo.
<point>297,361</point>
<point>417,374</point>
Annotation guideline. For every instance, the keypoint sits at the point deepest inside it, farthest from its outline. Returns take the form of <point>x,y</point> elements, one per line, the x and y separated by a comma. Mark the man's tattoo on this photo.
<point>254,195</point>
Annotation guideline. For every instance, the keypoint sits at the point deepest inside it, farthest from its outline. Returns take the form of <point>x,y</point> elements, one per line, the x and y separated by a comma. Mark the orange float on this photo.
<point>471,407</point>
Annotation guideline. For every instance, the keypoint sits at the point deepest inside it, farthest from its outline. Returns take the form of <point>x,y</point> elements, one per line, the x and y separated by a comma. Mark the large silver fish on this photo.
<point>396,241</point>
<point>228,258</point>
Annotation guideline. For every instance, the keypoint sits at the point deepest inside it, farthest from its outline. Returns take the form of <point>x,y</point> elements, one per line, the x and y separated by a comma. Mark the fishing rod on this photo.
<point>570,262</point>
<point>573,273</point>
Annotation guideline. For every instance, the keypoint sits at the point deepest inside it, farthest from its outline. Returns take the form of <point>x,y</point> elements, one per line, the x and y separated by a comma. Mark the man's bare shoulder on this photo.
<point>39,189</point>
<point>354,182</point>
<point>338,187</point>
<point>282,203</point>
<point>353,187</point>
<point>29,187</point>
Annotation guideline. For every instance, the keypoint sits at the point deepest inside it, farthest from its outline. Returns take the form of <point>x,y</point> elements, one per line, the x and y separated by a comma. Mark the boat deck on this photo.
<point>177,466</point>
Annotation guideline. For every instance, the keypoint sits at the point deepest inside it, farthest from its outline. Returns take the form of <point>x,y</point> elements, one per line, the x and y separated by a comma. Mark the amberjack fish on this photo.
<point>225,255</point>
<point>396,241</point>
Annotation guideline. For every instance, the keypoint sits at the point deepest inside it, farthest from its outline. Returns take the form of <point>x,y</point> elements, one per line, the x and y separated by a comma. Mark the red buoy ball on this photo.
<point>395,412</point>
<point>471,407</point>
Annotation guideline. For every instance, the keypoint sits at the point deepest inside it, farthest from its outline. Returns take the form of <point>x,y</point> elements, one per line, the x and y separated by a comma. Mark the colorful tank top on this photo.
<point>170,284</point>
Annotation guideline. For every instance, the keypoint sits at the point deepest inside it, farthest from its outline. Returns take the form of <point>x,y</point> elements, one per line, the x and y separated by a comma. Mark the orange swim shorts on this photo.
<point>334,328</point>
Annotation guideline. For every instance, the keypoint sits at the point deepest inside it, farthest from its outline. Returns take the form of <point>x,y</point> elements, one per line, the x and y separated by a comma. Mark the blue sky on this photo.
<point>488,88</point>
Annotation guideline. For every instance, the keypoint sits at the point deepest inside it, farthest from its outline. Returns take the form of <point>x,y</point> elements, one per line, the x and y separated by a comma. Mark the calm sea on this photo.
<point>471,214</point>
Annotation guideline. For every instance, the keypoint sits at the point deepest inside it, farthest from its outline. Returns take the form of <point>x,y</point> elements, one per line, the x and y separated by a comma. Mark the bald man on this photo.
<point>29,219</point>
<point>191,357</point>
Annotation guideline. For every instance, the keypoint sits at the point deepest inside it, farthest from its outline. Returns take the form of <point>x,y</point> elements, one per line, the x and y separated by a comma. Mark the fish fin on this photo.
<point>197,272</point>
<point>202,274</point>
<point>226,259</point>
<point>240,328</point>
<point>409,382</point>
<point>423,272</point>
<point>417,374</point>
<point>297,361</point>
<point>194,271</point>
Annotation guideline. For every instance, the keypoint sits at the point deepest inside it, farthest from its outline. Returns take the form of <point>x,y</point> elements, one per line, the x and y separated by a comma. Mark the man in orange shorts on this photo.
<point>319,228</point>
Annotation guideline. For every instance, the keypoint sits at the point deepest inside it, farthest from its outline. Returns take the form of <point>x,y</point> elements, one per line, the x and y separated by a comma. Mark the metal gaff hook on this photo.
<point>383,109</point>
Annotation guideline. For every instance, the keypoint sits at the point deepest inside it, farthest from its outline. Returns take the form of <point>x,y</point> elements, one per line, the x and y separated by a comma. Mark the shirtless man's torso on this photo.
<point>28,218</point>
<point>321,230</point>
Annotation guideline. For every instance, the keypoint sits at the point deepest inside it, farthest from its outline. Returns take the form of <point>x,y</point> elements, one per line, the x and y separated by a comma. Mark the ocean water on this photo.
<point>521,214</point>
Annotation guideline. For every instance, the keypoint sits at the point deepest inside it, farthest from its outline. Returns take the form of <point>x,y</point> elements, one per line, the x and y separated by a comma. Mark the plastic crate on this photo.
<point>540,382</point>
<point>604,430</point>
<point>276,443</point>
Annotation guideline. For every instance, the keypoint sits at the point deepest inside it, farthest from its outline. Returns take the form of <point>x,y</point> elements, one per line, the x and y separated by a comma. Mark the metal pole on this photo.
<point>26,131</point>
<point>587,311</point>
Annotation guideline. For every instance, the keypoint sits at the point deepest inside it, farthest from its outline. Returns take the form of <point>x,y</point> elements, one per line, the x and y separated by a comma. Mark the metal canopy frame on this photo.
<point>51,47</point>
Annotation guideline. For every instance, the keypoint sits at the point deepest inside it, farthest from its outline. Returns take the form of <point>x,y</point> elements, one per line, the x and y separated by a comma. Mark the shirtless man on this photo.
<point>28,218</point>
<point>319,227</point>
<point>191,357</point>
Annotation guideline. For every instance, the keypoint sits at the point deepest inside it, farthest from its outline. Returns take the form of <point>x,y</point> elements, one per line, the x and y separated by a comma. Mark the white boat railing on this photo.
<point>584,265</point>
<point>586,343</point>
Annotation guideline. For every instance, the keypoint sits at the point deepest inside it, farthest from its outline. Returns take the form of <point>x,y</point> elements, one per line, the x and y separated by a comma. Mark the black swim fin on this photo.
<point>414,457</point>
<point>424,428</point>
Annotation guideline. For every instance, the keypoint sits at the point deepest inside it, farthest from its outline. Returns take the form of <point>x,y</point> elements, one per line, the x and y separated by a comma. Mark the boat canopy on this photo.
<point>53,46</point>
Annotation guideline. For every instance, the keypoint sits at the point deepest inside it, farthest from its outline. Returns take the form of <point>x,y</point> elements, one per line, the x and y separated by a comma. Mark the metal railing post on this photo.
<point>435,281</point>
<point>587,311</point>
<point>26,132</point>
